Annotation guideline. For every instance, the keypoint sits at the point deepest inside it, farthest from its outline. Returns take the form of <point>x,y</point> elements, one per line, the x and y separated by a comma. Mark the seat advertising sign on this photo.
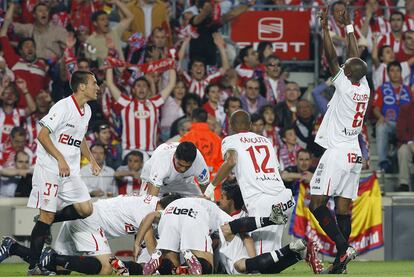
<point>288,31</point>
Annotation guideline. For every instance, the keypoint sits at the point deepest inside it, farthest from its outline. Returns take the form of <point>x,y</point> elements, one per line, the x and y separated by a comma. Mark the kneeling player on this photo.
<point>111,218</point>
<point>233,251</point>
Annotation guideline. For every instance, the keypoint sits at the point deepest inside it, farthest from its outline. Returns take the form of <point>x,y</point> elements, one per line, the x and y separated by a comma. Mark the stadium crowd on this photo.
<point>167,74</point>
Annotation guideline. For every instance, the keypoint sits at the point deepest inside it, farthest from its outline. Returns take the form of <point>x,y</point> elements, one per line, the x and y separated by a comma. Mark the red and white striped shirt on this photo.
<point>32,127</point>
<point>34,73</point>
<point>140,122</point>
<point>273,136</point>
<point>392,41</point>
<point>379,25</point>
<point>128,184</point>
<point>409,23</point>
<point>198,87</point>
<point>244,73</point>
<point>7,154</point>
<point>8,121</point>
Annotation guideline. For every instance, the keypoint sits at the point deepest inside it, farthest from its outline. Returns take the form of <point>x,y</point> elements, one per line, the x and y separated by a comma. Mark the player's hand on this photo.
<point>96,169</point>
<point>209,192</point>
<point>64,170</point>
<point>323,16</point>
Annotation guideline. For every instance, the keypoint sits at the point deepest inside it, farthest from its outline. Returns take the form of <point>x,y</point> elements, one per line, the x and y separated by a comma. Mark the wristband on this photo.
<point>349,28</point>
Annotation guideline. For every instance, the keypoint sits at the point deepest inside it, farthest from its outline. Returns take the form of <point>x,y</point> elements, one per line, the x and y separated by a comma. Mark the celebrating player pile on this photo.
<point>339,169</point>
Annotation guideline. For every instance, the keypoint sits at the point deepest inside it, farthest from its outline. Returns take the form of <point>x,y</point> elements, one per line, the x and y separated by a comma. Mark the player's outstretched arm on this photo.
<point>328,46</point>
<point>352,44</point>
<point>44,139</point>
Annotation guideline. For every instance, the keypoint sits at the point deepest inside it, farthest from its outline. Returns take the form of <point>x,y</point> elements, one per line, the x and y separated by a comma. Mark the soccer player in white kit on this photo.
<point>82,245</point>
<point>56,179</point>
<point>256,168</point>
<point>173,167</point>
<point>237,256</point>
<point>338,172</point>
<point>184,226</point>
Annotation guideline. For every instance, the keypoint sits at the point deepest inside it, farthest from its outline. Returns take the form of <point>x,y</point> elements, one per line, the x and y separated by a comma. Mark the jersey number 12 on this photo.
<point>263,167</point>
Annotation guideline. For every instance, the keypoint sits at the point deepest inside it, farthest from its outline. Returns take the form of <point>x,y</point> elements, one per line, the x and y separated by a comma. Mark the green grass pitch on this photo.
<point>389,269</point>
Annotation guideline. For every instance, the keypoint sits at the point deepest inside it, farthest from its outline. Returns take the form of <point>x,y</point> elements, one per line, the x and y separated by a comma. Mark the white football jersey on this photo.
<point>199,207</point>
<point>67,124</point>
<point>344,118</point>
<point>160,171</point>
<point>122,215</point>
<point>257,168</point>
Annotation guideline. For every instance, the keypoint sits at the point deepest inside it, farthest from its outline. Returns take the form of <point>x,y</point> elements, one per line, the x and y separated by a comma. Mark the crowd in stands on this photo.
<point>192,98</point>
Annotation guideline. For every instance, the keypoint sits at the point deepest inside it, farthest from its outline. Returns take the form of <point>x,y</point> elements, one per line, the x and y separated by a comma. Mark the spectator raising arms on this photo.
<point>198,79</point>
<point>140,113</point>
<point>50,39</point>
<point>107,40</point>
<point>25,65</point>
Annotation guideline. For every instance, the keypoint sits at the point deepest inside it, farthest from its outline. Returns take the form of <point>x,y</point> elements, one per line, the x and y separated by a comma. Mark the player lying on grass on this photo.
<point>111,218</point>
<point>177,234</point>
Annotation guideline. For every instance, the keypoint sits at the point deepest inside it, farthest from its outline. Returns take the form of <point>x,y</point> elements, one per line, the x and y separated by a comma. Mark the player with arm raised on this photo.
<point>339,169</point>
<point>56,176</point>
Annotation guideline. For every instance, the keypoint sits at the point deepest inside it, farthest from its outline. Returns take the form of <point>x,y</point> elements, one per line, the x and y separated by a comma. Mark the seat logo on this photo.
<point>270,28</point>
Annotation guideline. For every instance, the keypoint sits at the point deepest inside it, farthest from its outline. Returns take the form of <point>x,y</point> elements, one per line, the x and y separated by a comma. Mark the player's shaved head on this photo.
<point>240,121</point>
<point>355,69</point>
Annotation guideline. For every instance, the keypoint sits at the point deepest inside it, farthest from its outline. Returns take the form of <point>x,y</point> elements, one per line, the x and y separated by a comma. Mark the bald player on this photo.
<point>339,169</point>
<point>254,161</point>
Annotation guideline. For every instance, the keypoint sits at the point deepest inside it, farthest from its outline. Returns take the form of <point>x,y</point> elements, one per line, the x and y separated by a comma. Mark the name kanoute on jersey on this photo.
<point>344,118</point>
<point>257,168</point>
<point>67,124</point>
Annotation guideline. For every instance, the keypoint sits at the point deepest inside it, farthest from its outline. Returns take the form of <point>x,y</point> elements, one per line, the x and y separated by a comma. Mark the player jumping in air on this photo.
<point>339,169</point>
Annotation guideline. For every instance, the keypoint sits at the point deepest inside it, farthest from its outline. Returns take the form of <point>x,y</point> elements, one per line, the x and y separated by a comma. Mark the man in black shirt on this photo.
<point>293,175</point>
